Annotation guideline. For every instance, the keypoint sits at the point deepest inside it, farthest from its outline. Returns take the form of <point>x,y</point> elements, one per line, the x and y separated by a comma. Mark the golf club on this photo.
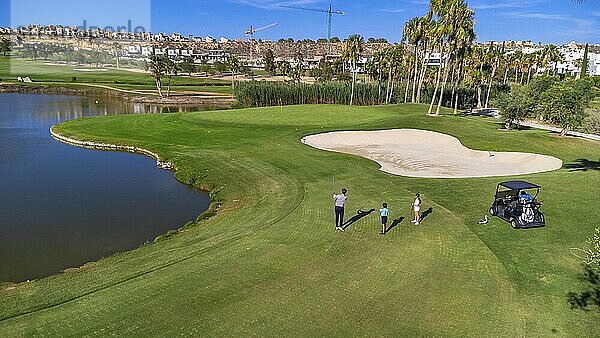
<point>360,210</point>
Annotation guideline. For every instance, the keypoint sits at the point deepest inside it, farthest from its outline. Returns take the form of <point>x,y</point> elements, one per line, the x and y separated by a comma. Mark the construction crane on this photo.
<point>330,11</point>
<point>253,30</point>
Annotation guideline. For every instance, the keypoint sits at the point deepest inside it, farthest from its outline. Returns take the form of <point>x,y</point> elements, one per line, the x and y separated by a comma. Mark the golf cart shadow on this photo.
<point>360,214</point>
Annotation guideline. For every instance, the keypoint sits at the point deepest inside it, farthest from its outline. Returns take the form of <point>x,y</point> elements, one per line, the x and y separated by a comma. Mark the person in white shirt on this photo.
<point>339,200</point>
<point>416,208</point>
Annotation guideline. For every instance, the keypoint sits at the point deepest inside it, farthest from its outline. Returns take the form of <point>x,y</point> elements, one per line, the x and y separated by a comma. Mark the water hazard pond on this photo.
<point>62,206</point>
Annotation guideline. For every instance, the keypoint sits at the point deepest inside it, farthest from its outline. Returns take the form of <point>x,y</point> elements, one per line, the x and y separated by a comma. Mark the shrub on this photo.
<point>262,94</point>
<point>515,106</point>
<point>591,124</point>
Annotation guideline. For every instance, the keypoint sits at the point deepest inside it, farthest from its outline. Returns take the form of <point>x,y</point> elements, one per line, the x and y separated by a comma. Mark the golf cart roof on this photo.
<point>518,185</point>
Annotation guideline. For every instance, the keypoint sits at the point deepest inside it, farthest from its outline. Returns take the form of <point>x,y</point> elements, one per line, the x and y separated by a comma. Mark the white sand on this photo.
<point>420,153</point>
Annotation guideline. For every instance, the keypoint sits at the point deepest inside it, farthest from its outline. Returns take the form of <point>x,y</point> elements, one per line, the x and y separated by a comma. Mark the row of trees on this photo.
<point>333,39</point>
<point>262,93</point>
<point>448,29</point>
<point>163,67</point>
<point>64,53</point>
<point>548,99</point>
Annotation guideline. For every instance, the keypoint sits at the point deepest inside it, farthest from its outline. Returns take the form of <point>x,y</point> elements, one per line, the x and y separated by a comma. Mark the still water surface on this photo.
<point>62,206</point>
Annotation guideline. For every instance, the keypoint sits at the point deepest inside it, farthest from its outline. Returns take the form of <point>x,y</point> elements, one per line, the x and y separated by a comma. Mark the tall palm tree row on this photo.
<point>353,48</point>
<point>414,34</point>
<point>448,30</point>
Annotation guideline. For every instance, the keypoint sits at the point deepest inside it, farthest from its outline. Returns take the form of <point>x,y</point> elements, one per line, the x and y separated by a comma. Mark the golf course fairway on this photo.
<point>270,263</point>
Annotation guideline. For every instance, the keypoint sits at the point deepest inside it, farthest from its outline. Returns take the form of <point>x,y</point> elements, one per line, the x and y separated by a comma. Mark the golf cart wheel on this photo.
<point>514,224</point>
<point>540,218</point>
<point>492,211</point>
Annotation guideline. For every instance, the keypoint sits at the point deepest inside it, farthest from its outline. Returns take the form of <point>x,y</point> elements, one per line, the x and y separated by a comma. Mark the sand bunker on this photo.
<point>420,153</point>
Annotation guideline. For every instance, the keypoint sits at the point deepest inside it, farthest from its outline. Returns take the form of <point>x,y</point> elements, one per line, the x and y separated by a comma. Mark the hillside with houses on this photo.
<point>45,42</point>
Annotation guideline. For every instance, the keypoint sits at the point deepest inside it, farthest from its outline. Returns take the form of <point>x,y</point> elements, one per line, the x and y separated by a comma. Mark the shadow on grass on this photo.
<point>589,298</point>
<point>583,164</point>
<point>360,214</point>
<point>394,224</point>
<point>425,214</point>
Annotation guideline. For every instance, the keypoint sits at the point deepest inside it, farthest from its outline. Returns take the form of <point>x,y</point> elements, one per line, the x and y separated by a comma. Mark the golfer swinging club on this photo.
<point>339,200</point>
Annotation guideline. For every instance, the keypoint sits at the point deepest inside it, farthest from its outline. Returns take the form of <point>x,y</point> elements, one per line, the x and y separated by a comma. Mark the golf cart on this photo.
<point>511,205</point>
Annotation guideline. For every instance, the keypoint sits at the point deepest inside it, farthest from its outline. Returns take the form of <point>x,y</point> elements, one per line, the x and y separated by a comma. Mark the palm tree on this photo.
<point>406,64</point>
<point>461,34</point>
<point>552,57</point>
<point>534,60</point>
<point>157,70</point>
<point>476,72</point>
<point>505,62</point>
<point>437,37</point>
<point>397,66</point>
<point>413,34</point>
<point>426,26</point>
<point>378,64</point>
<point>493,55</point>
<point>462,53</point>
<point>454,30</point>
<point>515,62</point>
<point>353,48</point>
<point>387,67</point>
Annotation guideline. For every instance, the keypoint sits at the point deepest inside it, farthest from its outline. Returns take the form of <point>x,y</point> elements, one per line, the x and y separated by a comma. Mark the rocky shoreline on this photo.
<point>115,147</point>
<point>215,100</point>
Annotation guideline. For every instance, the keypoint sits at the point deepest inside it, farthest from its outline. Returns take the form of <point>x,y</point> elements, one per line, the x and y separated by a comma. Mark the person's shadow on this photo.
<point>394,224</point>
<point>360,214</point>
<point>425,214</point>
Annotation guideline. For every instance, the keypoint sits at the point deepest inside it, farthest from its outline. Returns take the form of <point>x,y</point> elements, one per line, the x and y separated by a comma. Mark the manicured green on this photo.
<point>43,72</point>
<point>269,262</point>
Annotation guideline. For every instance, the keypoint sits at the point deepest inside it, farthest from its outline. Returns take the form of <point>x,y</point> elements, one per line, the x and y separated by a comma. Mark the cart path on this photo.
<point>492,112</point>
<point>557,130</point>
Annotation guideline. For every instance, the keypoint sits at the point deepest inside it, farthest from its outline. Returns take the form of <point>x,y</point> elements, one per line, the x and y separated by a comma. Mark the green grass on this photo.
<point>269,262</point>
<point>40,72</point>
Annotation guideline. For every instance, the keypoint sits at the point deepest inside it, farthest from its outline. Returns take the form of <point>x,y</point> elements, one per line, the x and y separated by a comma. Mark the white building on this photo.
<point>147,50</point>
<point>530,50</point>
<point>594,64</point>
<point>434,59</point>
<point>134,50</point>
<point>572,54</point>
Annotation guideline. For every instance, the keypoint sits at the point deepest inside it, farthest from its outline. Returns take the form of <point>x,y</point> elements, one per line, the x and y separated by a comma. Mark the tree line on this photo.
<point>547,99</point>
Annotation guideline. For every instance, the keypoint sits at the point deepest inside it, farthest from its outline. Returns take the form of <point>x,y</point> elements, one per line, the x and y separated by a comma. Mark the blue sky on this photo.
<point>548,21</point>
